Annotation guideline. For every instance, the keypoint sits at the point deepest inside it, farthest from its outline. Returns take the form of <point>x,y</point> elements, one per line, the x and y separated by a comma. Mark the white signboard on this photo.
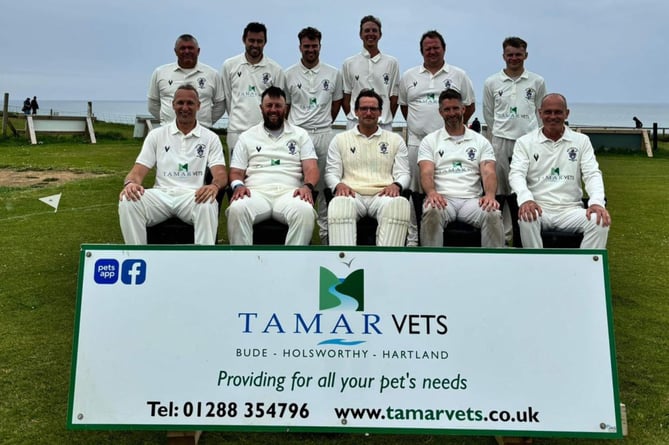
<point>369,340</point>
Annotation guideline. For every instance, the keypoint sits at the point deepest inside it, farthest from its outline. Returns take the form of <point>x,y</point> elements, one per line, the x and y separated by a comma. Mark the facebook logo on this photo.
<point>133,271</point>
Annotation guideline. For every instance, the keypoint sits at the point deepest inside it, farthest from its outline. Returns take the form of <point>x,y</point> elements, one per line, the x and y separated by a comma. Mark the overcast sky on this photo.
<point>589,50</point>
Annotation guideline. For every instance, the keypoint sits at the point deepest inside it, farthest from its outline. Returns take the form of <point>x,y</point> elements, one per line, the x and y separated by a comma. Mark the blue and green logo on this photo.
<point>345,294</point>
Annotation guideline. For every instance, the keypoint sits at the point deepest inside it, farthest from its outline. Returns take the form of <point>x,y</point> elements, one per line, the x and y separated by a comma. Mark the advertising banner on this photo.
<point>360,340</point>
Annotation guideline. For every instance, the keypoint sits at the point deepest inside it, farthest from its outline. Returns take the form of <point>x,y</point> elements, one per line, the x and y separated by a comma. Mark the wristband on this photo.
<point>128,181</point>
<point>399,185</point>
<point>216,185</point>
<point>309,186</point>
<point>236,183</point>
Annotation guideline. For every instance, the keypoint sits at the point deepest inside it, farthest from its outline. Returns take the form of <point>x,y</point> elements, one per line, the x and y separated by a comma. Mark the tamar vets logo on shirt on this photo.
<point>383,148</point>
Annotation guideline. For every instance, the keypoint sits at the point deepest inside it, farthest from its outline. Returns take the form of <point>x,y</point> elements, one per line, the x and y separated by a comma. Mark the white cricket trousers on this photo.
<point>570,220</point>
<point>158,205</point>
<point>277,203</point>
<point>467,210</point>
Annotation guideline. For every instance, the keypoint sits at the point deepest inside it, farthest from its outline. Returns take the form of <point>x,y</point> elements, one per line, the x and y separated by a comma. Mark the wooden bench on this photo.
<point>144,124</point>
<point>632,139</point>
<point>59,124</point>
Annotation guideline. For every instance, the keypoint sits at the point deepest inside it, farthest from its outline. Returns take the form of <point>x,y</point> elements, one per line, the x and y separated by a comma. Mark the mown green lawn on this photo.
<point>38,279</point>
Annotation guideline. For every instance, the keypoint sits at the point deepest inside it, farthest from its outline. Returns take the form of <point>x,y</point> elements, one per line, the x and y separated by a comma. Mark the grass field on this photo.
<point>38,277</point>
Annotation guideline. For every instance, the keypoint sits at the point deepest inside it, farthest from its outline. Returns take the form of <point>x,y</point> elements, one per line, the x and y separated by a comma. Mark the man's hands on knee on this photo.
<point>392,190</point>
<point>206,193</point>
<point>529,211</point>
<point>305,194</point>
<point>603,217</point>
<point>344,190</point>
<point>434,199</point>
<point>131,192</point>
<point>488,203</point>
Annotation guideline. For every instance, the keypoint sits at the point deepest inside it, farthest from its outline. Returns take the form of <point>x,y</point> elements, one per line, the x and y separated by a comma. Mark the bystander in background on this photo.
<point>34,106</point>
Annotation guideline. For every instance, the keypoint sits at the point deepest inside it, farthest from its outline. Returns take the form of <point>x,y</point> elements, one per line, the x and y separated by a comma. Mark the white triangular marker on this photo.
<point>52,200</point>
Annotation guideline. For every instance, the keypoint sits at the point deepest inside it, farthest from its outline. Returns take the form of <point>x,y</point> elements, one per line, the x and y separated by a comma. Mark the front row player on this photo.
<point>367,168</point>
<point>547,170</point>
<point>181,152</point>
<point>273,172</point>
<point>457,173</point>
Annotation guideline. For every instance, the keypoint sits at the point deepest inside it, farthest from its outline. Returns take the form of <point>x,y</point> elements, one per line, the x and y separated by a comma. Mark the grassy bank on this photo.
<point>38,276</point>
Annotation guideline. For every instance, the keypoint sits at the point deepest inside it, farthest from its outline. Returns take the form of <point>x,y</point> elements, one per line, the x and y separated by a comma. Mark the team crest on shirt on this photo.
<point>299,85</point>
<point>170,82</point>
<point>536,156</point>
<point>441,153</point>
<point>572,153</point>
<point>447,84</point>
<point>352,150</point>
<point>326,85</point>
<point>167,148</point>
<point>199,150</point>
<point>383,148</point>
<point>357,77</point>
<point>266,79</point>
<point>258,148</point>
<point>201,82</point>
<point>239,74</point>
<point>471,153</point>
<point>386,78</point>
<point>292,147</point>
<point>530,93</point>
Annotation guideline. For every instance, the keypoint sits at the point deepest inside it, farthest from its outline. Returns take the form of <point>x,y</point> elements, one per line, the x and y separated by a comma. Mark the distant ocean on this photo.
<point>581,114</point>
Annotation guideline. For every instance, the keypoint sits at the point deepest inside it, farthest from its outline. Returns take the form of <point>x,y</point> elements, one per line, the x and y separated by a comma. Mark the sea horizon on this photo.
<point>605,114</point>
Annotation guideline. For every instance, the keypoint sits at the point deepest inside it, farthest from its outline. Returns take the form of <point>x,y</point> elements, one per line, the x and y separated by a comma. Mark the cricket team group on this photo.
<point>284,151</point>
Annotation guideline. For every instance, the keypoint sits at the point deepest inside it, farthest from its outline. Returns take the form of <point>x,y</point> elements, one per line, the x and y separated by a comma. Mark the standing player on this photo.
<point>419,102</point>
<point>371,70</point>
<point>186,70</point>
<point>245,77</point>
<point>511,100</point>
<point>314,96</point>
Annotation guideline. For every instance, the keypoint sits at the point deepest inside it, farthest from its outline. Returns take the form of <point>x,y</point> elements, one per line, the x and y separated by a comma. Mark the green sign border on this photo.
<point>603,254</point>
